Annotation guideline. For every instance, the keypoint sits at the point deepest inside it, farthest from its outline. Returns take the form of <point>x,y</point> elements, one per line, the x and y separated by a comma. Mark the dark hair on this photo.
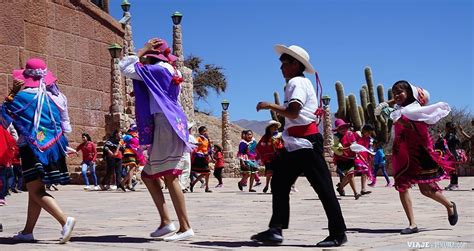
<point>153,60</point>
<point>406,86</point>
<point>368,127</point>
<point>87,136</point>
<point>219,148</point>
<point>267,131</point>
<point>115,133</point>
<point>451,126</point>
<point>285,56</point>
<point>201,129</point>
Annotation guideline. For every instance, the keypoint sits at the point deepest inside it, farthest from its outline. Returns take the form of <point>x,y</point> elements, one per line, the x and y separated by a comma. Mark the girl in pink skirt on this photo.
<point>413,158</point>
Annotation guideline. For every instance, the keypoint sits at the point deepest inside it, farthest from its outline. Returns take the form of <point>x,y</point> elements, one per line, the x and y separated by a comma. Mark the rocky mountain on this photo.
<point>214,128</point>
<point>257,127</point>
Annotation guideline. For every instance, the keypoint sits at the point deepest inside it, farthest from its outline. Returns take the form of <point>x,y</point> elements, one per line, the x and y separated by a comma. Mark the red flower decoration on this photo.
<point>177,80</point>
<point>167,52</point>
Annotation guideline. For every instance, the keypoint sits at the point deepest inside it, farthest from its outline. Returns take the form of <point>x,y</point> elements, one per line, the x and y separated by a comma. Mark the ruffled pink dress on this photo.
<point>413,159</point>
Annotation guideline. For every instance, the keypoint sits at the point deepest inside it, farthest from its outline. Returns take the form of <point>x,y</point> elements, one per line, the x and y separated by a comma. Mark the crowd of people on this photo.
<point>161,151</point>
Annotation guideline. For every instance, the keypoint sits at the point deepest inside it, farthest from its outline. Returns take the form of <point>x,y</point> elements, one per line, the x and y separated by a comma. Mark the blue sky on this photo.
<point>427,42</point>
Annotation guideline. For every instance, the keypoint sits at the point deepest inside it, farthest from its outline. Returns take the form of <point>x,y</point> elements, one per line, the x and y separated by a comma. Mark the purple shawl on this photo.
<point>157,81</point>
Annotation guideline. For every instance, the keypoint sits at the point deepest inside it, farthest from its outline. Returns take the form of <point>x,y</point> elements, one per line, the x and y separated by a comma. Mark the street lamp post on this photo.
<point>226,145</point>
<point>115,119</point>
<point>328,136</point>
<point>178,38</point>
<point>115,51</point>
<point>129,104</point>
<point>186,91</point>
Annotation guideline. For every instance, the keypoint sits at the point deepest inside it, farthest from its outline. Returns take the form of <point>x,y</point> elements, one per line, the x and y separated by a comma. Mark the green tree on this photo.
<point>209,77</point>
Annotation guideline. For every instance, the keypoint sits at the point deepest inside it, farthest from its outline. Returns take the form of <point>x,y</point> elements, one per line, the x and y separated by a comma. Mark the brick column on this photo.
<point>129,49</point>
<point>178,45</point>
<point>116,119</point>
<point>328,139</point>
<point>228,154</point>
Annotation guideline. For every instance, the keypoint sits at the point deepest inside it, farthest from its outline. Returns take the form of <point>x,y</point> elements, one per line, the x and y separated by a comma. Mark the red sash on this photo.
<point>303,130</point>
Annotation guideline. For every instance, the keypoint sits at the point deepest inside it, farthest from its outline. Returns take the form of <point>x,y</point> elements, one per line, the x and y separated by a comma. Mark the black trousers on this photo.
<point>310,162</point>
<point>113,166</point>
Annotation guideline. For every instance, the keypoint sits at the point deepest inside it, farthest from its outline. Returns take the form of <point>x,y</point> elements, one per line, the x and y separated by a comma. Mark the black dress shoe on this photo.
<point>121,187</point>
<point>265,189</point>
<point>357,196</point>
<point>331,241</point>
<point>409,230</point>
<point>365,192</point>
<point>453,219</point>
<point>270,237</point>
<point>241,188</point>
<point>340,190</point>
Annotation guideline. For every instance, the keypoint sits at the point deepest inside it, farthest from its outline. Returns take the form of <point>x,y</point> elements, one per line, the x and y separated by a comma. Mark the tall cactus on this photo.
<point>364,114</point>
<point>380,93</point>
<point>370,84</point>
<point>354,112</point>
<point>390,95</point>
<point>277,101</point>
<point>341,101</point>
<point>361,114</point>
<point>274,115</point>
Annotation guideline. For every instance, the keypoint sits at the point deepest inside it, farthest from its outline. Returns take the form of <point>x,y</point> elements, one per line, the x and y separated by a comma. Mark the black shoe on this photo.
<point>340,190</point>
<point>332,241</point>
<point>365,192</point>
<point>272,236</point>
<point>121,187</point>
<point>453,219</point>
<point>241,188</point>
<point>258,184</point>
<point>357,196</point>
<point>265,189</point>
<point>252,191</point>
<point>191,188</point>
<point>409,230</point>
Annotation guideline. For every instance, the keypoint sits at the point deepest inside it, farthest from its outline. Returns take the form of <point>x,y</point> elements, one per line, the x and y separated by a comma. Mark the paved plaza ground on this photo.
<point>226,218</point>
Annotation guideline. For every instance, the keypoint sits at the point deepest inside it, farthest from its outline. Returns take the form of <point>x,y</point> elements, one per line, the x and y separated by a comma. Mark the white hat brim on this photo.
<point>282,49</point>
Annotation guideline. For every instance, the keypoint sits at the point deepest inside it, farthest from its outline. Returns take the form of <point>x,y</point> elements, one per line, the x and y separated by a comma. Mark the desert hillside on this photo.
<point>214,127</point>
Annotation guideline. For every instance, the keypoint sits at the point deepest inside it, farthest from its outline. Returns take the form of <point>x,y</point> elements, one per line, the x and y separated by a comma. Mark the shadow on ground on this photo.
<point>111,239</point>
<point>387,231</point>
<point>238,244</point>
<point>11,241</point>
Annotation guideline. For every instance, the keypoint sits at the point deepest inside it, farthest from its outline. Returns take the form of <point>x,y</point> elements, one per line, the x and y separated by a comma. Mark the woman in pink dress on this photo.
<point>413,159</point>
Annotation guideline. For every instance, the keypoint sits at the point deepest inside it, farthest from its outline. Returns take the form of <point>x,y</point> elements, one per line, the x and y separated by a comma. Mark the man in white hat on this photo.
<point>303,151</point>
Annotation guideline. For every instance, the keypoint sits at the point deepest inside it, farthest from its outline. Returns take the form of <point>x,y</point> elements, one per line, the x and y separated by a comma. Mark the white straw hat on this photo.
<point>298,53</point>
<point>273,122</point>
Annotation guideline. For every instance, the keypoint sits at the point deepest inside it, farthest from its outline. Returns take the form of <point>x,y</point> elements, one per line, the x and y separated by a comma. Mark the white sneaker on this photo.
<point>88,188</point>
<point>96,188</point>
<point>113,187</point>
<point>67,230</point>
<point>23,237</point>
<point>170,228</point>
<point>180,236</point>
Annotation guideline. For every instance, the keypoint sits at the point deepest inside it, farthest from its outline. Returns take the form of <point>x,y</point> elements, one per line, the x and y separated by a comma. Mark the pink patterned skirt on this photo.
<point>413,159</point>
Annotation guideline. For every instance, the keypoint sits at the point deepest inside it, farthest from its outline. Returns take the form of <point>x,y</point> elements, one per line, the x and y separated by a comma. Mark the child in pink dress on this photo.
<point>364,159</point>
<point>344,157</point>
<point>413,159</point>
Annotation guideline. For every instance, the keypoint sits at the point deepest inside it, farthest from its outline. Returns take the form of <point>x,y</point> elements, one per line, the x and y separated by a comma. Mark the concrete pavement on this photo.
<point>226,218</point>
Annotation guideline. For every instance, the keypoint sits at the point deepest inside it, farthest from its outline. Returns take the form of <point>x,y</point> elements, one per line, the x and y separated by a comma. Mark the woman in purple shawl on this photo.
<point>161,123</point>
